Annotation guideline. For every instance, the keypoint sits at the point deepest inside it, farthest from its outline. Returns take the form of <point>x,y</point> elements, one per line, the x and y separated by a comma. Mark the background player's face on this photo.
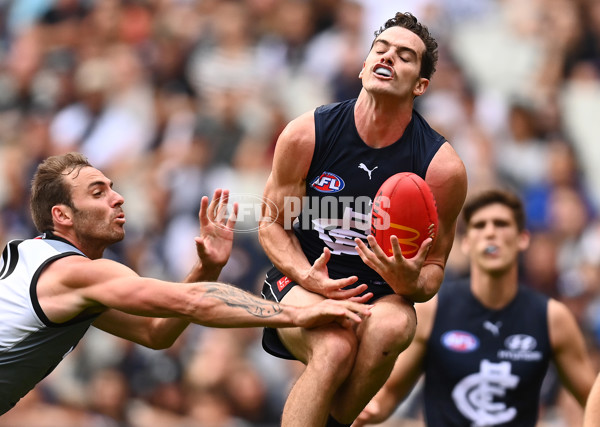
<point>98,215</point>
<point>493,241</point>
<point>394,63</point>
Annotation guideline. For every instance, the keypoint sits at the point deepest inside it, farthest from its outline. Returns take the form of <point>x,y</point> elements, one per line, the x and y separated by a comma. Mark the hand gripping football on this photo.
<point>404,206</point>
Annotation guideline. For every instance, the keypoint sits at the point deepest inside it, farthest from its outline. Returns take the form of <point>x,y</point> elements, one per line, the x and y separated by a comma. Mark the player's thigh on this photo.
<point>330,340</point>
<point>393,321</point>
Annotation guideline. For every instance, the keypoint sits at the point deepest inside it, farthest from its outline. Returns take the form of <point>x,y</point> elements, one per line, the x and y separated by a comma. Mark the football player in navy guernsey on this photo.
<point>484,343</point>
<point>54,287</point>
<point>328,165</point>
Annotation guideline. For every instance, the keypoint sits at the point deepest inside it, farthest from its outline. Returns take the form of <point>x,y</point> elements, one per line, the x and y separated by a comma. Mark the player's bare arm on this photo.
<point>75,285</point>
<point>419,278</point>
<point>291,161</point>
<point>570,353</point>
<point>213,246</point>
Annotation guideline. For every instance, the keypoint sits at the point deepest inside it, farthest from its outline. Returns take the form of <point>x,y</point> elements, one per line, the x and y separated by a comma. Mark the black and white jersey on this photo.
<point>31,346</point>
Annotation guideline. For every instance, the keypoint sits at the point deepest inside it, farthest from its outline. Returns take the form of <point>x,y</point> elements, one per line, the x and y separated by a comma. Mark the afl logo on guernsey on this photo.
<point>460,341</point>
<point>328,182</point>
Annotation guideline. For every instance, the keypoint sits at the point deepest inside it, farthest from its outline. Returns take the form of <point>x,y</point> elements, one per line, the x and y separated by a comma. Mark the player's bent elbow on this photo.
<point>429,283</point>
<point>161,343</point>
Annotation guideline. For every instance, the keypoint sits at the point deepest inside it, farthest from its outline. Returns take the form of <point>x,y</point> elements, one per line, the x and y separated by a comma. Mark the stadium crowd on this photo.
<point>174,98</point>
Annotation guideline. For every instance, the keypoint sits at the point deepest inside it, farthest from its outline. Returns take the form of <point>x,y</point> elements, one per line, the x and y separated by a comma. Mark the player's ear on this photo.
<point>524,240</point>
<point>421,86</point>
<point>62,214</point>
<point>360,75</point>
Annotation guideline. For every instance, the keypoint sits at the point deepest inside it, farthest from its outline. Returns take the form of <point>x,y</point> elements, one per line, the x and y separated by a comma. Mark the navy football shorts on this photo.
<point>277,285</point>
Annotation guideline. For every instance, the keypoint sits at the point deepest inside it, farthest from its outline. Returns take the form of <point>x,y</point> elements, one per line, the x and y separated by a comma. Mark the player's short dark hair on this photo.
<point>410,22</point>
<point>49,187</point>
<point>489,197</point>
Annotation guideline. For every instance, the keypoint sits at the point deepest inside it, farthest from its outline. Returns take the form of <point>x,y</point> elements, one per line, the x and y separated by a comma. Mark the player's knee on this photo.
<point>395,333</point>
<point>336,350</point>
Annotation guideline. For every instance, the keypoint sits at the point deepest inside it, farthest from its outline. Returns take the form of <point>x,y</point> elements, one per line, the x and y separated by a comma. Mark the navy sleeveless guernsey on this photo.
<point>343,179</point>
<point>344,176</point>
<point>485,367</point>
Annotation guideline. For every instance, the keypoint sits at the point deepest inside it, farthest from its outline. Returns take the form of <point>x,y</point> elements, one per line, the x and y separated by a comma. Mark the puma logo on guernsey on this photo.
<point>366,169</point>
<point>494,328</point>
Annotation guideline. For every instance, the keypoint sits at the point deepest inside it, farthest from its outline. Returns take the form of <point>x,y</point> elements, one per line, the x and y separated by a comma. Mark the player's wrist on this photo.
<point>289,316</point>
<point>204,272</point>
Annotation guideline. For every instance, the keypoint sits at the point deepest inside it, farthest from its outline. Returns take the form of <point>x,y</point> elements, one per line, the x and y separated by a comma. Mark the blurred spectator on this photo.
<point>284,58</point>
<point>522,155</point>
<point>580,103</point>
<point>563,170</point>
<point>111,122</point>
<point>333,55</point>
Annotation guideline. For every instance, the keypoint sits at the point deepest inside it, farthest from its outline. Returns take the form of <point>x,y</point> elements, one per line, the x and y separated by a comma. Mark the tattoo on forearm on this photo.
<point>234,297</point>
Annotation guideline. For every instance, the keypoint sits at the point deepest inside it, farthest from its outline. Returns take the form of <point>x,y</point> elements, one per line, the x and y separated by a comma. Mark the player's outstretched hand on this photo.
<point>346,313</point>
<point>216,231</point>
<point>318,281</point>
<point>400,273</point>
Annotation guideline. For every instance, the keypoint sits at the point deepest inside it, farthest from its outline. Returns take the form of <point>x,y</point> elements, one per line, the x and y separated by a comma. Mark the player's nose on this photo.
<point>489,228</point>
<point>117,199</point>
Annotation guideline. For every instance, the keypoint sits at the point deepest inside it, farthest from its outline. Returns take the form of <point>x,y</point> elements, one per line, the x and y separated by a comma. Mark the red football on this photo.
<point>405,207</point>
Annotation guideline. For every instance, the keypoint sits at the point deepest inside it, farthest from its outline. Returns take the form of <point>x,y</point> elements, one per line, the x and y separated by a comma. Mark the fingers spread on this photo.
<point>396,249</point>
<point>350,293</point>
<point>375,248</point>
<point>363,298</point>
<point>202,215</point>
<point>424,249</point>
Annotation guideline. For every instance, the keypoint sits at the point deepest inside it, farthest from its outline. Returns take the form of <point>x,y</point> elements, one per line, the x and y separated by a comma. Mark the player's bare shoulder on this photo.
<point>295,146</point>
<point>562,324</point>
<point>77,272</point>
<point>447,178</point>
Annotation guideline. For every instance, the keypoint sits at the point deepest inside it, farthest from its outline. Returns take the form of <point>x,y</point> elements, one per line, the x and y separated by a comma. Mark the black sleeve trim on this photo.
<point>33,293</point>
<point>10,258</point>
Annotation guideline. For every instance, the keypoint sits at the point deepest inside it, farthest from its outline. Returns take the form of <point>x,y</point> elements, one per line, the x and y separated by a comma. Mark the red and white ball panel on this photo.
<point>404,206</point>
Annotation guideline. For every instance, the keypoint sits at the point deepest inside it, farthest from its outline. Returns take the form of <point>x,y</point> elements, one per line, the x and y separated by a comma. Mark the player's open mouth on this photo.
<point>383,71</point>
<point>490,250</point>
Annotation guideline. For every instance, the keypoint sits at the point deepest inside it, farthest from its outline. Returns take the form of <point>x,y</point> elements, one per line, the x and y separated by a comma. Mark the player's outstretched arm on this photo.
<point>81,285</point>
<point>207,303</point>
<point>213,245</point>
